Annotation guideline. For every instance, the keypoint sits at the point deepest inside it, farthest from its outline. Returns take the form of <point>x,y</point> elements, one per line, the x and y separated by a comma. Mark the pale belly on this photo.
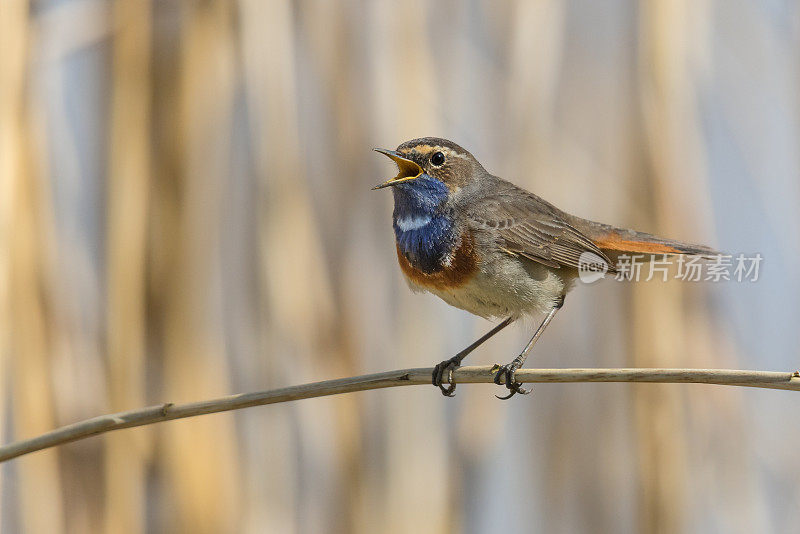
<point>506,287</point>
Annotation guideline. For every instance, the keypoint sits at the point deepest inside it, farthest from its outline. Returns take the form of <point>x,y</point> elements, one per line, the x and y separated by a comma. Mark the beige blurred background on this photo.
<point>185,213</point>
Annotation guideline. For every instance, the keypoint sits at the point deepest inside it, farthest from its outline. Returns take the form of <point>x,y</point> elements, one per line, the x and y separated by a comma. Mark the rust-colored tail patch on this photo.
<point>642,243</point>
<point>627,245</point>
<point>616,242</point>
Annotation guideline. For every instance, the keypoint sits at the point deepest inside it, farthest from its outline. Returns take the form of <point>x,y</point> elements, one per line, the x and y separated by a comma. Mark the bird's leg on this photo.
<point>505,373</point>
<point>455,361</point>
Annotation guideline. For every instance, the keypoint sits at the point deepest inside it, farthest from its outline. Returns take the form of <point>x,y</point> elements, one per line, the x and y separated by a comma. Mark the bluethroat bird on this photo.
<point>486,246</point>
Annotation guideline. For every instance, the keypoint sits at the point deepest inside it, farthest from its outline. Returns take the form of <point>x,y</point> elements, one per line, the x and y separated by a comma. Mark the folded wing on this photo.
<point>533,228</point>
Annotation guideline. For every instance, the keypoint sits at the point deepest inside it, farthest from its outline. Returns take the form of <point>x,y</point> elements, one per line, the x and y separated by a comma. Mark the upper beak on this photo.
<point>408,169</point>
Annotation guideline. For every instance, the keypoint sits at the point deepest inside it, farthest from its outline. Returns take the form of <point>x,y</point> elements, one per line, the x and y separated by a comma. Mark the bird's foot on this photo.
<point>446,367</point>
<point>505,375</point>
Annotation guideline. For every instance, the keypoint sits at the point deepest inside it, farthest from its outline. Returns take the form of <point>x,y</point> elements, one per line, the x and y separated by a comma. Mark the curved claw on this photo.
<point>514,388</point>
<point>508,372</point>
<point>438,376</point>
<point>449,391</point>
<point>511,394</point>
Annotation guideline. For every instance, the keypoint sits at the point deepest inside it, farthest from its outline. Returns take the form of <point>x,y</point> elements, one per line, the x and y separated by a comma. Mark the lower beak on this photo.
<point>409,170</point>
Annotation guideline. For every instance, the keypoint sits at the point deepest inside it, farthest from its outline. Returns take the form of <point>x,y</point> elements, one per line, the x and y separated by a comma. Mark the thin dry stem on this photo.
<point>403,377</point>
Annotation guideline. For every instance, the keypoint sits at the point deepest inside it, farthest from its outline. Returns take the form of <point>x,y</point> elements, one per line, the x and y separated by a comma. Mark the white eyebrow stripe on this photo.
<point>413,223</point>
<point>452,153</point>
<point>424,150</point>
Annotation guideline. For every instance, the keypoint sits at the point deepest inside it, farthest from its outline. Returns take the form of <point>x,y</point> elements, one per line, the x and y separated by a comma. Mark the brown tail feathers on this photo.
<point>617,241</point>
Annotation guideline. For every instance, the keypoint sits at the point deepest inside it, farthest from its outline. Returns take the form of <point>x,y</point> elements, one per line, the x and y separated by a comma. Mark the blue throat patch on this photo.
<point>422,226</point>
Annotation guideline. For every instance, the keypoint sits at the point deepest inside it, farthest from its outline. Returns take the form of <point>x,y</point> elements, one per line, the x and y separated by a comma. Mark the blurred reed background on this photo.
<point>185,213</point>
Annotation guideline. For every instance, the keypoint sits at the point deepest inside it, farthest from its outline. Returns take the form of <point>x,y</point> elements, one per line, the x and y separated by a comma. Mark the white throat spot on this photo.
<point>407,224</point>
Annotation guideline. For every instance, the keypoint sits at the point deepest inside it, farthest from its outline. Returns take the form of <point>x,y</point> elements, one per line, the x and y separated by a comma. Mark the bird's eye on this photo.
<point>437,159</point>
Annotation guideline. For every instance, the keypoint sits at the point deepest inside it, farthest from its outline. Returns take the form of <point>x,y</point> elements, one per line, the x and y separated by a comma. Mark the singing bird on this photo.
<point>491,248</point>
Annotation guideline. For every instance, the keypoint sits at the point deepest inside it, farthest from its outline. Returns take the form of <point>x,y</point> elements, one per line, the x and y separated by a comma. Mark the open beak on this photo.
<point>408,169</point>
